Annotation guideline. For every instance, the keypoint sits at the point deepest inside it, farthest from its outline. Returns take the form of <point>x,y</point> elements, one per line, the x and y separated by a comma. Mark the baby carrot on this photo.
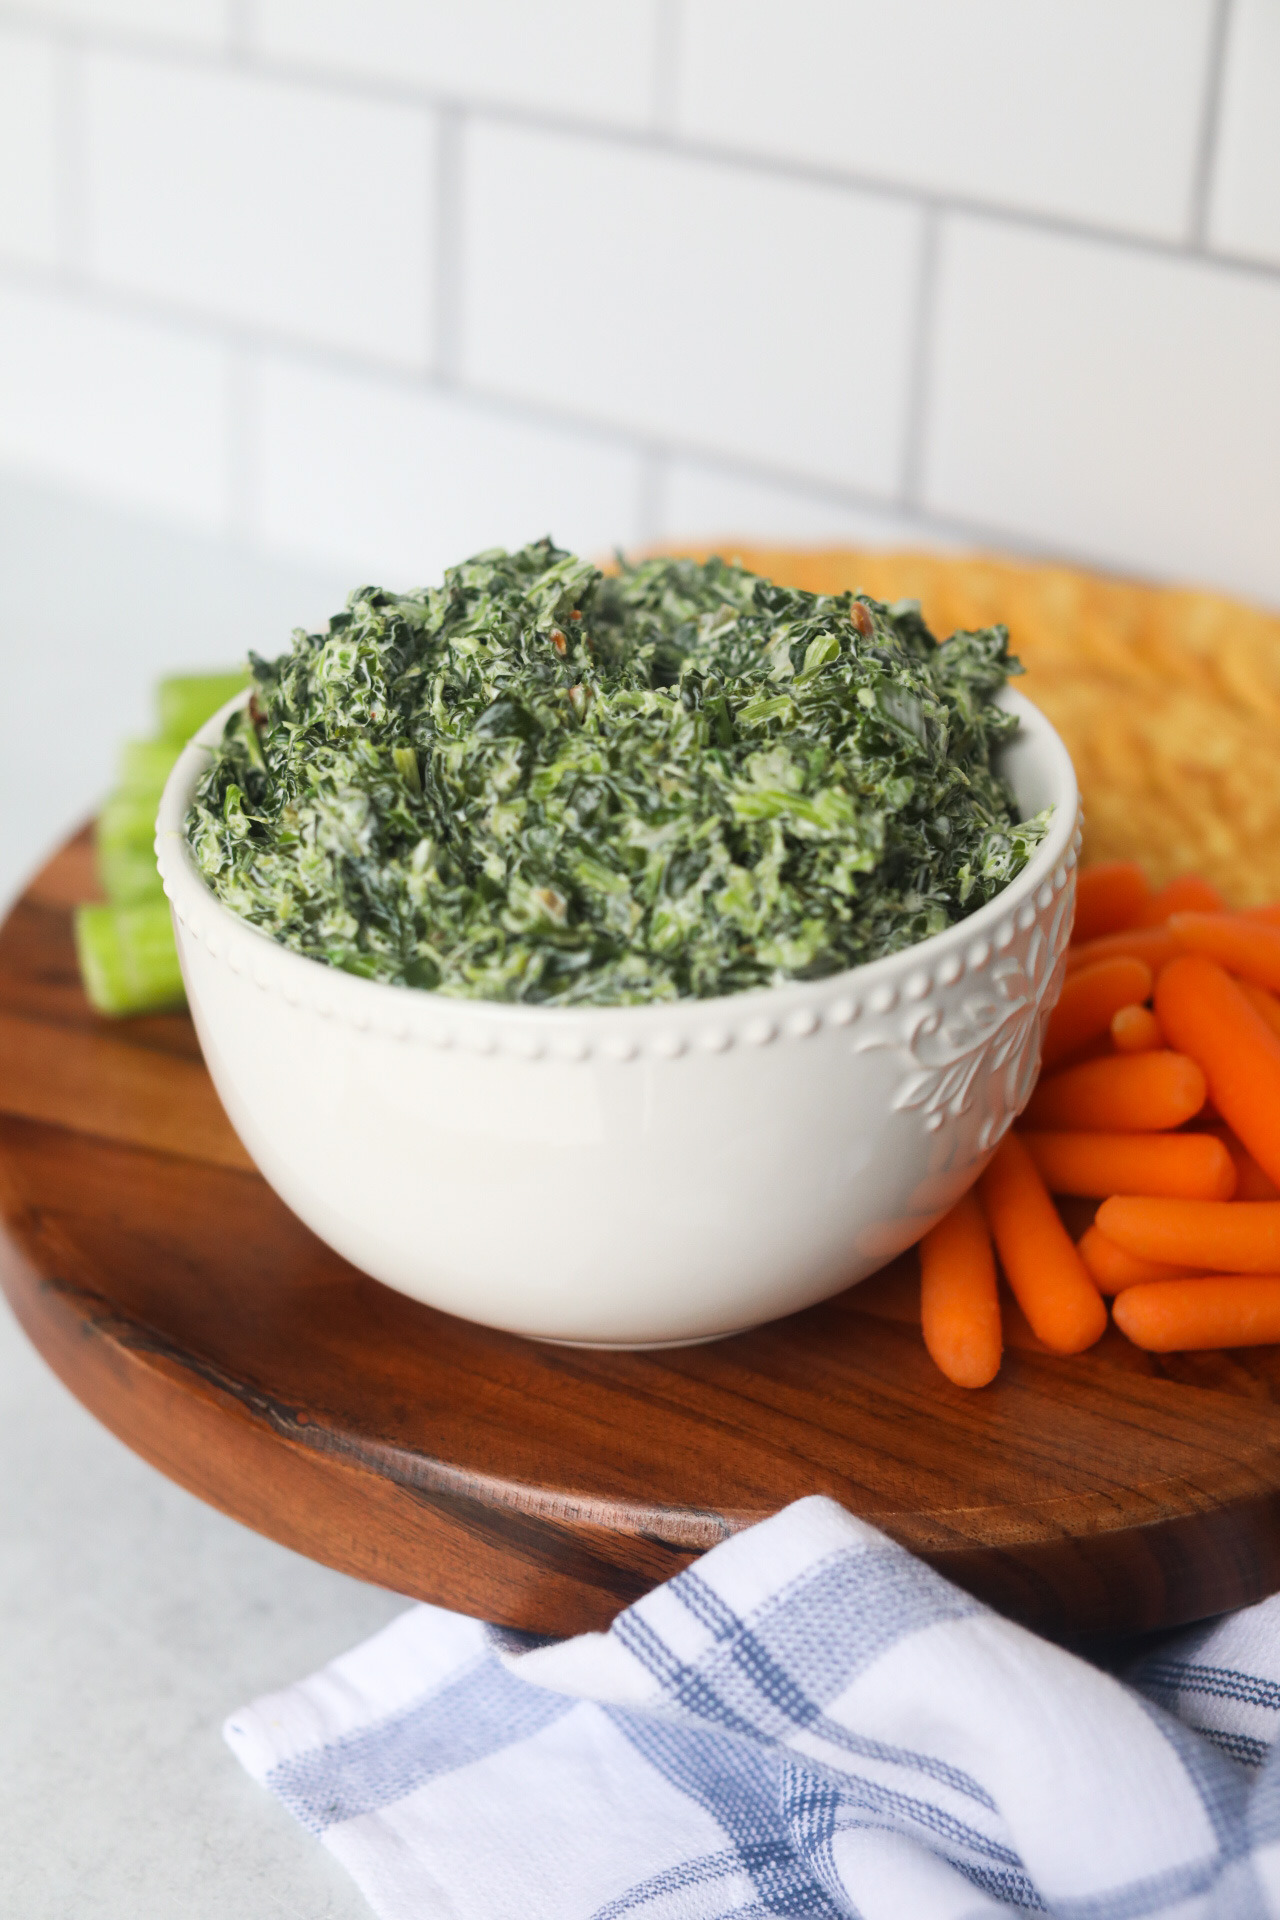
<point>1155,945</point>
<point>1088,1000</point>
<point>1250,1179</point>
<point>1247,947</point>
<point>1099,1049</point>
<point>1187,1166</point>
<point>1217,1236</point>
<point>1251,1182</point>
<point>1113,1269</point>
<point>1269,915</point>
<point>1190,894</point>
<point>1048,1277</point>
<point>959,1300</point>
<point>1128,1093</point>
<point>1135,1030</point>
<point>1262,1002</point>
<point>1182,1316</point>
<point>1205,1013</point>
<point>1109,897</point>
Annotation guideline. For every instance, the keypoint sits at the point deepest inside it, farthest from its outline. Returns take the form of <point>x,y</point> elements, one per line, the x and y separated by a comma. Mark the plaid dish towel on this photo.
<point>806,1722</point>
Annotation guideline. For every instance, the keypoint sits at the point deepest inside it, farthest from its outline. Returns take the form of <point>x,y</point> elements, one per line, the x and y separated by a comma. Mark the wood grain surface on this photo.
<point>546,1487</point>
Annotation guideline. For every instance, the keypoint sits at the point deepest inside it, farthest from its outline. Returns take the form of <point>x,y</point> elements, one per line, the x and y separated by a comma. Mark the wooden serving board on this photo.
<point>547,1487</point>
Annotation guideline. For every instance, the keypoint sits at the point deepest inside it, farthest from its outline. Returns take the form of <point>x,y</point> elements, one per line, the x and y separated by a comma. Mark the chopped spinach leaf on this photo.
<point>540,783</point>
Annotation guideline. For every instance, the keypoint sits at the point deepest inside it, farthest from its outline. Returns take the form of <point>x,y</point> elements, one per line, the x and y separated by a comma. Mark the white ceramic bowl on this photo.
<point>632,1176</point>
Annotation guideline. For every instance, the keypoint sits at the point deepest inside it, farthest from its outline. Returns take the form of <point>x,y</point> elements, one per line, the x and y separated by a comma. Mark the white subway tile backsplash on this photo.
<point>28,148</point>
<point>729,336</point>
<point>1245,206</point>
<point>1088,109</point>
<point>116,406</point>
<point>299,211</point>
<point>399,483</point>
<point>198,23</point>
<point>727,310</point>
<point>558,56</point>
<point>1126,406</point>
<point>706,503</point>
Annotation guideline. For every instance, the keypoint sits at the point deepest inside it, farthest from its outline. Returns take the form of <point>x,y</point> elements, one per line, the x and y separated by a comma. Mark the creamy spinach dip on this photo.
<point>540,783</point>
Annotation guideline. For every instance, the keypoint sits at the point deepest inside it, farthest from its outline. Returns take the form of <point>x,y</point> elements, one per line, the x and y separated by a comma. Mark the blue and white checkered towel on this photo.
<point>806,1722</point>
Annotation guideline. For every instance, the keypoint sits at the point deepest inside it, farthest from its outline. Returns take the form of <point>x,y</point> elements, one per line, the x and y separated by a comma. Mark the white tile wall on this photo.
<point>28,147</point>
<point>197,23</point>
<point>699,499</point>
<point>1118,404</point>
<point>114,405</point>
<point>731,312</point>
<point>303,212</point>
<point>1245,215</point>
<point>1084,108</point>
<point>366,474</point>
<point>373,281</point>
<point>562,56</point>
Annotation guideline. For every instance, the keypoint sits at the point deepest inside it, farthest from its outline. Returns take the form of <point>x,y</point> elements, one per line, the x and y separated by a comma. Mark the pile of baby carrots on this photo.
<point>1160,1097</point>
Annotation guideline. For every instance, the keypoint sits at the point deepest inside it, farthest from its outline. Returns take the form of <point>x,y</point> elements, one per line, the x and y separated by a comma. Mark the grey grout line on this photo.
<point>668,24</point>
<point>654,457</point>
<point>499,404</point>
<point>920,374</point>
<point>446,316</point>
<point>241,28</point>
<point>71,213</point>
<point>683,147</point>
<point>147,45</point>
<point>1210,125</point>
<point>312,76</point>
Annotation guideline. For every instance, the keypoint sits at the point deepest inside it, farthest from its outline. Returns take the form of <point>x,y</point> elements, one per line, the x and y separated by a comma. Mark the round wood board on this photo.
<point>547,1487</point>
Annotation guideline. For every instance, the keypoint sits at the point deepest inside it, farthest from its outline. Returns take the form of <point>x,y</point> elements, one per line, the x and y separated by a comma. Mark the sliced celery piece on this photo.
<point>125,833</point>
<point>145,765</point>
<point>127,819</point>
<point>185,700</point>
<point>129,874</point>
<point>128,960</point>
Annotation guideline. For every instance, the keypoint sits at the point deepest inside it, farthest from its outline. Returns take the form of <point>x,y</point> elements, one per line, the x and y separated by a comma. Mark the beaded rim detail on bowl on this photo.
<point>488,1028</point>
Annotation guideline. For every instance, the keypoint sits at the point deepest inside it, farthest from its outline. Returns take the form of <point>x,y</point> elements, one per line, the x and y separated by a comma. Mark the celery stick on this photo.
<point>128,960</point>
<point>145,765</point>
<point>185,700</point>
<point>125,835</point>
<point>127,819</point>
<point>129,874</point>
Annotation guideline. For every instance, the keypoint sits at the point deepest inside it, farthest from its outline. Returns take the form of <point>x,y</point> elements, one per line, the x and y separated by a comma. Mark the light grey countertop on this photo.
<point>133,1619</point>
